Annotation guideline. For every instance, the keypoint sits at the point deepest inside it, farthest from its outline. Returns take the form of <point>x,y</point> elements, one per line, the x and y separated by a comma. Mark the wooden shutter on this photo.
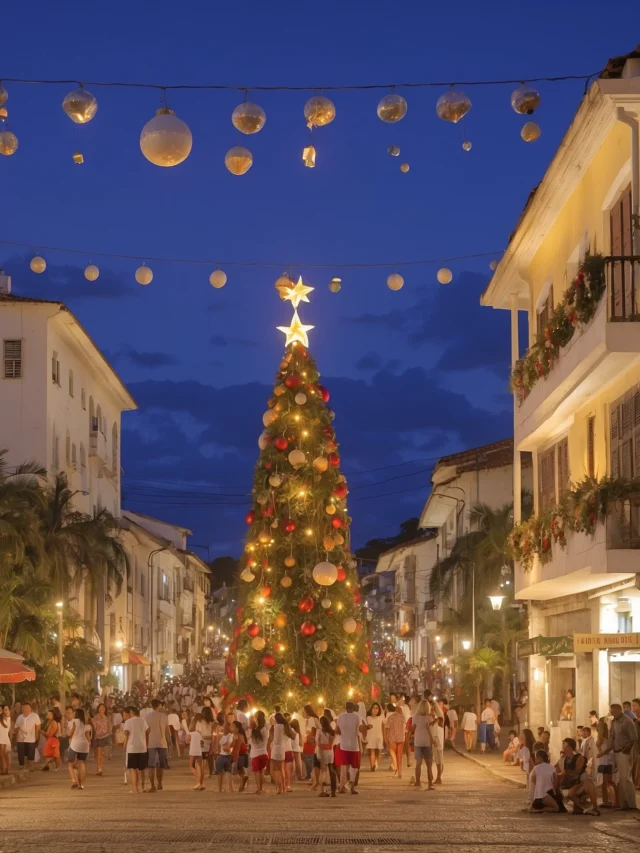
<point>636,434</point>
<point>544,315</point>
<point>591,450</point>
<point>12,359</point>
<point>563,466</point>
<point>626,459</point>
<point>620,227</point>
<point>614,440</point>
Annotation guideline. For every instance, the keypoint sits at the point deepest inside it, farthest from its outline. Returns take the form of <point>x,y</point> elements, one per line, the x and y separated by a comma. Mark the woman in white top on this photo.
<point>5,739</point>
<point>375,735</point>
<point>296,746</point>
<point>470,727</point>
<point>544,782</point>
<point>258,753</point>
<point>207,729</point>
<point>78,750</point>
<point>325,740</point>
<point>604,763</point>
<point>280,730</point>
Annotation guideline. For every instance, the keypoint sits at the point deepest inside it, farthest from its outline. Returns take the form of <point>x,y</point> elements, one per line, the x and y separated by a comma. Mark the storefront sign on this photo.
<point>547,646</point>
<point>589,642</point>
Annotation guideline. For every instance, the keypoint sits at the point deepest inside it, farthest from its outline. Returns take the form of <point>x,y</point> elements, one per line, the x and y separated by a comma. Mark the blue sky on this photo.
<point>413,374</point>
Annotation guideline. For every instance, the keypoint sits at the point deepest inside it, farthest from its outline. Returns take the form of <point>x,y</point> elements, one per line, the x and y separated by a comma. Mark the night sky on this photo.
<point>414,374</point>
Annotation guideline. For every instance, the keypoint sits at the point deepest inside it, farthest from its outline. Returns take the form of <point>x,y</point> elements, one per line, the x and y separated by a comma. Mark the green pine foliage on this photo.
<point>289,647</point>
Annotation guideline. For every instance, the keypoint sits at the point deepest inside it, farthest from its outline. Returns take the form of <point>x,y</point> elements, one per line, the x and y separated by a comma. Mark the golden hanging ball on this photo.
<point>341,669</point>
<point>319,111</point>
<point>395,281</point>
<point>166,140</point>
<point>525,100</point>
<point>339,539</point>
<point>335,285</point>
<point>269,417</point>
<point>8,143</point>
<point>248,118</point>
<point>264,538</point>
<point>320,464</point>
<point>404,167</point>
<point>218,278</point>
<point>238,160</point>
<point>144,275</point>
<point>530,132</point>
<point>300,399</point>
<point>330,509</point>
<point>286,581</point>
<point>349,625</point>
<point>281,619</point>
<point>3,95</point>
<point>444,275</point>
<point>493,266</point>
<point>275,480</point>
<point>453,105</point>
<point>78,158</point>
<point>258,643</point>
<point>466,145</point>
<point>279,390</point>
<point>328,543</point>
<point>392,108</point>
<point>289,562</point>
<point>91,272</point>
<point>80,105</point>
<point>38,264</point>
<point>326,603</point>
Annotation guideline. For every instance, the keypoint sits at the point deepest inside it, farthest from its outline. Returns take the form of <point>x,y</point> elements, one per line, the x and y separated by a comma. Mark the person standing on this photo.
<point>158,739</point>
<point>488,717</point>
<point>78,750</point>
<point>5,739</point>
<point>325,737</point>
<point>174,727</point>
<point>452,714</point>
<point>624,738</point>
<point>52,744</point>
<point>27,735</point>
<point>135,732</point>
<point>375,737</point>
<point>470,727</point>
<point>241,714</point>
<point>414,678</point>
<point>258,751</point>
<point>101,726</point>
<point>395,726</point>
<point>421,729</point>
<point>348,727</point>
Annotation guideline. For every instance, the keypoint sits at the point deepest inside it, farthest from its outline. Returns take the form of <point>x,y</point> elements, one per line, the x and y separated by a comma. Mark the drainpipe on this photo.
<point>631,120</point>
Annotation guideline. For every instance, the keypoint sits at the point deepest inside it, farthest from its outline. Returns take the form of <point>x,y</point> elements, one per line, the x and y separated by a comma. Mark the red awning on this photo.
<point>134,658</point>
<point>14,672</point>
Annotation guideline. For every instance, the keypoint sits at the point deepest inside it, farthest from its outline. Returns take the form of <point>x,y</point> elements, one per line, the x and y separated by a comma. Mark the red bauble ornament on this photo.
<point>304,679</point>
<point>237,631</point>
<point>324,393</point>
<point>334,460</point>
<point>356,596</point>
<point>328,432</point>
<point>340,491</point>
<point>342,575</point>
<point>289,526</point>
<point>269,661</point>
<point>307,629</point>
<point>268,511</point>
<point>278,376</point>
<point>305,605</point>
<point>250,517</point>
<point>280,443</point>
<point>336,522</point>
<point>253,630</point>
<point>364,668</point>
<point>267,466</point>
<point>292,381</point>
<point>239,612</point>
<point>265,591</point>
<point>251,563</point>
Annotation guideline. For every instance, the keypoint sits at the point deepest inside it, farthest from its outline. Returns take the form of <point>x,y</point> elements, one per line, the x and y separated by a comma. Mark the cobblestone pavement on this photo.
<point>472,812</point>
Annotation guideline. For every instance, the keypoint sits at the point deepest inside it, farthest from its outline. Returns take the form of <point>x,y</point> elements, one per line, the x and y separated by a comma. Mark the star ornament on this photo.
<point>296,331</point>
<point>298,294</point>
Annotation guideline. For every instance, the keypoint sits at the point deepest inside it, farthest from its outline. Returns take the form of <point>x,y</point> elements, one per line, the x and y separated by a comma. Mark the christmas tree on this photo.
<point>298,636</point>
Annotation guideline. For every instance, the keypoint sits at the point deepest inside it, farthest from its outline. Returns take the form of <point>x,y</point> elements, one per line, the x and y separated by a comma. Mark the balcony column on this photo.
<point>515,345</point>
<point>517,468</point>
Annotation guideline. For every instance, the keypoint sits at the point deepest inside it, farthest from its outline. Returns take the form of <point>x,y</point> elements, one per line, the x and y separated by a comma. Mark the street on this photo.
<point>472,811</point>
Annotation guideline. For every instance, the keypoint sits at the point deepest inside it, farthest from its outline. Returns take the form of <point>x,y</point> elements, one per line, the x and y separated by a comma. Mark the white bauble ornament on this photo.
<point>144,275</point>
<point>269,417</point>
<point>91,272</point>
<point>453,105</point>
<point>319,111</point>
<point>275,480</point>
<point>247,576</point>
<point>8,143</point>
<point>395,281</point>
<point>326,603</point>
<point>238,160</point>
<point>80,106</point>
<point>392,108</point>
<point>325,574</point>
<point>530,132</point>
<point>263,441</point>
<point>258,643</point>
<point>248,118</point>
<point>166,140</point>
<point>349,625</point>
<point>320,646</point>
<point>218,279</point>
<point>320,463</point>
<point>525,100</point>
<point>263,677</point>
<point>444,275</point>
<point>301,398</point>
<point>297,458</point>
<point>38,264</point>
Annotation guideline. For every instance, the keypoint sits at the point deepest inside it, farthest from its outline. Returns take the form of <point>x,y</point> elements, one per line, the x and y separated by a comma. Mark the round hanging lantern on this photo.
<point>466,145</point>
<point>325,574</point>
<point>453,105</point>
<point>91,272</point>
<point>349,625</point>
<point>300,399</point>
<point>218,279</point>
<point>258,643</point>
<point>444,275</point>
<point>395,281</point>
<point>393,150</point>
<point>248,118</point>
<point>80,105</point>
<point>238,160</point>
<point>166,140</point>
<point>286,581</point>
<point>319,111</point>
<point>320,464</point>
<point>530,132</point>
<point>3,95</point>
<point>404,167</point>
<point>297,458</point>
<point>392,108</point>
<point>269,417</point>
<point>525,100</point>
<point>144,275</point>
<point>38,264</point>
<point>8,143</point>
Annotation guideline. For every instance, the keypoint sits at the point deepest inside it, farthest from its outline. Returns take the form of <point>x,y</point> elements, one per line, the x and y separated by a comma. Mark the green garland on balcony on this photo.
<point>578,305</point>
<point>577,512</point>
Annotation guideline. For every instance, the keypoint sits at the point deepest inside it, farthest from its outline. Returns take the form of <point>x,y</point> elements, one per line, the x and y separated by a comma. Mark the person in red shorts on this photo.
<point>349,751</point>
<point>258,750</point>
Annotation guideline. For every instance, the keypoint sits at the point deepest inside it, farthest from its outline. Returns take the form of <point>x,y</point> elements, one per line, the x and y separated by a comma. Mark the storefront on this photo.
<point>129,667</point>
<point>616,658</point>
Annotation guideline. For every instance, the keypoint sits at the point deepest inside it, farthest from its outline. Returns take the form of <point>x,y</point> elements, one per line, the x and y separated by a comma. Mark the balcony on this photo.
<point>405,591</point>
<point>587,562</point>
<point>596,354</point>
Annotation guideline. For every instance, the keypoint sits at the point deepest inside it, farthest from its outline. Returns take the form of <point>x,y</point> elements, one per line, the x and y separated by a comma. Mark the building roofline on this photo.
<point>184,530</point>
<point>473,452</point>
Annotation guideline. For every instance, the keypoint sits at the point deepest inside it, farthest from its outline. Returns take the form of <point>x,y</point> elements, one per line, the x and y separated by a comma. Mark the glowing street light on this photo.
<point>466,645</point>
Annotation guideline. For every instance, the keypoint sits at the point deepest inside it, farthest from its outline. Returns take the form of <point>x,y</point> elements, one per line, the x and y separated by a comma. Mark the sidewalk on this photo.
<point>494,764</point>
<point>13,777</point>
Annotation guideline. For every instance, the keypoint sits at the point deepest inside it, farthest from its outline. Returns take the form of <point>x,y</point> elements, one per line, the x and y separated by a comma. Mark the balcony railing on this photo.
<point>623,524</point>
<point>622,274</point>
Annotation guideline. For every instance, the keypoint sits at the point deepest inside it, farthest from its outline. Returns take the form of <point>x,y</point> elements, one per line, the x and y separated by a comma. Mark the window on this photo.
<point>545,311</point>
<point>99,424</point>
<point>55,451</point>
<point>93,421</point>
<point>142,584</point>
<point>74,458</point>
<point>591,451</point>
<point>553,473</point>
<point>114,450</point>
<point>83,456</point>
<point>83,398</point>
<point>71,383</point>
<point>67,449</point>
<point>55,368</point>
<point>624,435</point>
<point>12,359</point>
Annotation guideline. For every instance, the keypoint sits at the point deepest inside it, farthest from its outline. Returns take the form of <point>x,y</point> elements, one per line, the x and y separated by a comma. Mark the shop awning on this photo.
<point>128,657</point>
<point>547,646</point>
<point>14,672</point>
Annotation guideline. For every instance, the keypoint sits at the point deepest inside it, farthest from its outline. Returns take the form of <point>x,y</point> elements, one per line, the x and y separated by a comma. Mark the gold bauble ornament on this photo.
<point>404,167</point>
<point>530,132</point>
<point>218,279</point>
<point>289,562</point>
<point>341,669</point>
<point>395,281</point>
<point>247,576</point>
<point>8,142</point>
<point>493,266</point>
<point>286,581</point>
<point>320,646</point>
<point>91,272</point>
<point>335,285</point>
<point>297,458</point>
<point>283,285</point>
<point>144,275</point>
<point>525,100</point>
<point>248,118</point>
<point>275,480</point>
<point>274,524</point>
<point>80,105</point>
<point>38,264</point>
<point>444,275</point>
<point>339,539</point>
<point>264,538</point>
<point>279,390</point>
<point>349,625</point>
<point>166,140</point>
<point>3,95</point>
<point>394,150</point>
<point>300,399</point>
<point>320,464</point>
<point>258,643</point>
<point>238,160</point>
<point>263,677</point>
<point>328,543</point>
<point>466,145</point>
<point>269,417</point>
<point>281,619</point>
<point>326,603</point>
<point>330,509</point>
<point>319,111</point>
<point>453,105</point>
<point>392,108</point>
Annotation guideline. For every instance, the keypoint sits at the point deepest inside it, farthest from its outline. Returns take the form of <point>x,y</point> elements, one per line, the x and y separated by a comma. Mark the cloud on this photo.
<point>369,361</point>
<point>139,358</point>
<point>225,341</point>
<point>64,282</point>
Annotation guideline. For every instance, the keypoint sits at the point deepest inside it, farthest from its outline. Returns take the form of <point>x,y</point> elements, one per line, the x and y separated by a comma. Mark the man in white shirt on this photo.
<point>488,717</point>
<point>28,730</point>
<point>496,708</point>
<point>136,733</point>
<point>241,714</point>
<point>174,727</point>
<point>348,727</point>
<point>414,678</point>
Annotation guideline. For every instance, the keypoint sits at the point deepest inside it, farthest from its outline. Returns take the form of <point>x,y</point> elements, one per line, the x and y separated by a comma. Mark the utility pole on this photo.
<point>61,690</point>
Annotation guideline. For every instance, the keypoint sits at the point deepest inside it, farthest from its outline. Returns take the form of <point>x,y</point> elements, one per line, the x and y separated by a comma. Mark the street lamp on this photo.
<point>496,600</point>
<point>59,608</point>
<point>466,645</point>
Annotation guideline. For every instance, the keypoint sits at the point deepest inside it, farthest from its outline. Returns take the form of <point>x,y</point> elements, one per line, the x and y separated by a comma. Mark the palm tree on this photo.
<point>478,666</point>
<point>503,631</point>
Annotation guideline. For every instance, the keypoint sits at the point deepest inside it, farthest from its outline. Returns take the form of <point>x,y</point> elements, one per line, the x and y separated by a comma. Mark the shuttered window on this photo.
<point>554,475</point>
<point>620,232</point>
<point>544,315</point>
<point>12,359</point>
<point>624,435</point>
<point>562,452</point>
<point>591,449</point>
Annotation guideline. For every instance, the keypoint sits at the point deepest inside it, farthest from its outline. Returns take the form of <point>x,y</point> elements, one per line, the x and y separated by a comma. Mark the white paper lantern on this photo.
<point>326,603</point>
<point>238,160</point>
<point>38,264</point>
<point>319,111</point>
<point>248,118</point>
<point>218,279</point>
<point>444,275</point>
<point>144,275</point>
<point>258,643</point>
<point>166,140</point>
<point>269,417</point>
<point>297,458</point>
<point>80,106</point>
<point>301,398</point>
<point>325,574</point>
<point>395,281</point>
<point>263,441</point>
<point>349,625</point>
<point>91,272</point>
<point>392,108</point>
<point>530,131</point>
<point>453,105</point>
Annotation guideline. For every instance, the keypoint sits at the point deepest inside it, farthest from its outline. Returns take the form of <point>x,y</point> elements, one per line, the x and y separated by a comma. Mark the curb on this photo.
<point>615,832</point>
<point>490,770</point>
<point>13,778</point>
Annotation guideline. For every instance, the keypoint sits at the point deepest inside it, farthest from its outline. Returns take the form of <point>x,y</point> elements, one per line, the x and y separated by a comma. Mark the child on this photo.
<point>194,739</point>
<point>512,748</point>
<point>240,754</point>
<point>259,756</point>
<point>224,761</point>
<point>325,737</point>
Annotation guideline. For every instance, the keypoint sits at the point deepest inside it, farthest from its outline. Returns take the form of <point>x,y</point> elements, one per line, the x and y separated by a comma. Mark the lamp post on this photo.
<point>496,600</point>
<point>466,645</point>
<point>59,607</point>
